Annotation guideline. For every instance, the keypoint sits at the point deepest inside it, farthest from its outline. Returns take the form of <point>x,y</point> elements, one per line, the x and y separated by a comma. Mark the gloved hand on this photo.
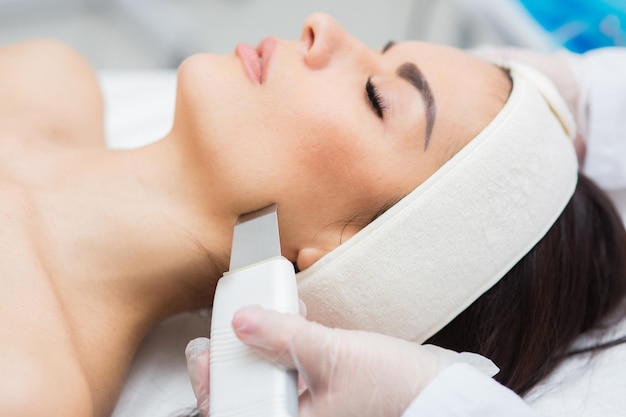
<point>346,372</point>
<point>563,68</point>
<point>197,354</point>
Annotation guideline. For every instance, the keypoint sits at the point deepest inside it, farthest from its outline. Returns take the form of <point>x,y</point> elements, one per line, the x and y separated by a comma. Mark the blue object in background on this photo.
<point>580,25</point>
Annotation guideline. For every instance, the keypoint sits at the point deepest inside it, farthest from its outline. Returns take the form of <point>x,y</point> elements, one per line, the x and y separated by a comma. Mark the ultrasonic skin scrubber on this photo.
<point>242,382</point>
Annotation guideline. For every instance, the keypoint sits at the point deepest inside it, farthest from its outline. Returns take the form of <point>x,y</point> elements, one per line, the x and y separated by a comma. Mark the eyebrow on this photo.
<point>409,72</point>
<point>387,46</point>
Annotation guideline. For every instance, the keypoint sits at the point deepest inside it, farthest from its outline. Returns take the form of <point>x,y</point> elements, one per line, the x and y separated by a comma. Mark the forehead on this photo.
<point>468,91</point>
<point>434,59</point>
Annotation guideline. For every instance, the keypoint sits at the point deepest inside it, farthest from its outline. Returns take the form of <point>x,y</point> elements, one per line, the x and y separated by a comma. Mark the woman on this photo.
<point>105,244</point>
<point>342,368</point>
<point>101,245</point>
<point>526,323</point>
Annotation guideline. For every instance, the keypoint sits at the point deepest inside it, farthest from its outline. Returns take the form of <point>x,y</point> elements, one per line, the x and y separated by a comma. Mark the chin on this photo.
<point>206,87</point>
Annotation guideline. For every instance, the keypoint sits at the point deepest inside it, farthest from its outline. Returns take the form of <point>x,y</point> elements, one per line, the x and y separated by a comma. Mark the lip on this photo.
<point>251,61</point>
<point>266,50</point>
<point>256,61</point>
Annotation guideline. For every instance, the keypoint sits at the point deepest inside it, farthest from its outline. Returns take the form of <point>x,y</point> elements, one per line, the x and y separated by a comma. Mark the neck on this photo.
<point>141,230</point>
<point>127,238</point>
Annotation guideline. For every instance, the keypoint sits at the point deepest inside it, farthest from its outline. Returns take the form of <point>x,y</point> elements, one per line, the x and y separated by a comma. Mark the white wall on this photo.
<point>159,33</point>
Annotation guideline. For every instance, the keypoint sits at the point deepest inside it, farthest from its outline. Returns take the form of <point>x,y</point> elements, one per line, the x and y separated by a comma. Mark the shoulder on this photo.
<point>49,84</point>
<point>39,369</point>
<point>30,387</point>
<point>44,59</point>
<point>42,50</point>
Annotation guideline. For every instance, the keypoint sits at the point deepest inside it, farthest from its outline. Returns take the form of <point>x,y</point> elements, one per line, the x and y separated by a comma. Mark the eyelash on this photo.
<point>375,98</point>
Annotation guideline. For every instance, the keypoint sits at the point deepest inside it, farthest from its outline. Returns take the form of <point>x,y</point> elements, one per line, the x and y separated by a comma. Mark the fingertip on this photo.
<point>196,347</point>
<point>266,329</point>
<point>198,363</point>
<point>246,320</point>
<point>302,307</point>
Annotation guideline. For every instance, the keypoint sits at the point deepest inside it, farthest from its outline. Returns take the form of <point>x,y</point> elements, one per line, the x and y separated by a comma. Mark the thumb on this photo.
<point>288,340</point>
<point>197,354</point>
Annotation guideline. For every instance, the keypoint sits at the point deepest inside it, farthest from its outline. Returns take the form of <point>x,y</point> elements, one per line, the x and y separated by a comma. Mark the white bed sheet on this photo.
<point>139,108</point>
<point>138,105</point>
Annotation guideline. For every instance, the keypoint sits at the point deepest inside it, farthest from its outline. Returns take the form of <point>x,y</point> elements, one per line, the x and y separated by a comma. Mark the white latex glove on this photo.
<point>563,68</point>
<point>346,372</point>
<point>197,353</point>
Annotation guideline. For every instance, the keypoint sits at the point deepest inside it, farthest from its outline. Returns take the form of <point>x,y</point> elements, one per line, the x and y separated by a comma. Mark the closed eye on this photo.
<point>375,98</point>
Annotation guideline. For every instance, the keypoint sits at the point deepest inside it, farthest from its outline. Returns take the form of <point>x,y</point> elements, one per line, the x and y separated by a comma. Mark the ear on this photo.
<point>324,243</point>
<point>308,256</point>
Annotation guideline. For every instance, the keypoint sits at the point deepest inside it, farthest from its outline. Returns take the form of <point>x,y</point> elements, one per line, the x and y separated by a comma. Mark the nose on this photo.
<point>323,37</point>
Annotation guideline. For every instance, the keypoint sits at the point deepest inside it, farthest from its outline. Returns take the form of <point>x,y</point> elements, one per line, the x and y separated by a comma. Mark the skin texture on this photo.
<point>332,163</point>
<point>100,245</point>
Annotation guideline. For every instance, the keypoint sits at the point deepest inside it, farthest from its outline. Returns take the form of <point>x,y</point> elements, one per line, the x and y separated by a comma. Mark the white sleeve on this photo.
<point>462,391</point>
<point>602,78</point>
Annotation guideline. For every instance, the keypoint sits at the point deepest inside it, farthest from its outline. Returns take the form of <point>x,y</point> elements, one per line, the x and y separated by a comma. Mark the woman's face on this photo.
<point>330,130</point>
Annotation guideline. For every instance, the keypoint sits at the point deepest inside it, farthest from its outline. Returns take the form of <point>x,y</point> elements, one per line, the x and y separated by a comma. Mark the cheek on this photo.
<point>328,152</point>
<point>340,149</point>
<point>338,171</point>
<point>327,147</point>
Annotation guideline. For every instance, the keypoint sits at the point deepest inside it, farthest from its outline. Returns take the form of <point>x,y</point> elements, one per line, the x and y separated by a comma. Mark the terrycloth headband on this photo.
<point>425,260</point>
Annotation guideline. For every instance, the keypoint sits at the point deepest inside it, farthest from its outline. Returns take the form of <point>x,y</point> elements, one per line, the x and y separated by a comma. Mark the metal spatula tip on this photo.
<point>255,237</point>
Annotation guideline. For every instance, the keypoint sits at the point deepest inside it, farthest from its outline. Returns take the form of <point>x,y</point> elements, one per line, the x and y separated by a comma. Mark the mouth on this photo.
<point>256,61</point>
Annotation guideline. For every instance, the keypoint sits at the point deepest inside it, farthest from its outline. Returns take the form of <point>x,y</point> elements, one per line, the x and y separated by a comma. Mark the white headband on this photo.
<point>430,256</point>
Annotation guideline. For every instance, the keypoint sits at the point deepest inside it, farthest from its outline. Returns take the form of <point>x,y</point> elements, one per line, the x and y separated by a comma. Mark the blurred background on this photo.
<point>149,34</point>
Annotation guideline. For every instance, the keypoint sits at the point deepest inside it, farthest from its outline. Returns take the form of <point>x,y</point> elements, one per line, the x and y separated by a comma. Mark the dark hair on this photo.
<point>567,284</point>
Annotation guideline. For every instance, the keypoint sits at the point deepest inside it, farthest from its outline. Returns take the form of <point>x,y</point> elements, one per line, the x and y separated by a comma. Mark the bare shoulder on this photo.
<point>33,385</point>
<point>38,364</point>
<point>48,85</point>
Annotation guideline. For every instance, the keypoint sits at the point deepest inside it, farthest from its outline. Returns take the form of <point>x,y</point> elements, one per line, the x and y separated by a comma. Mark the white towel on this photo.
<point>420,264</point>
